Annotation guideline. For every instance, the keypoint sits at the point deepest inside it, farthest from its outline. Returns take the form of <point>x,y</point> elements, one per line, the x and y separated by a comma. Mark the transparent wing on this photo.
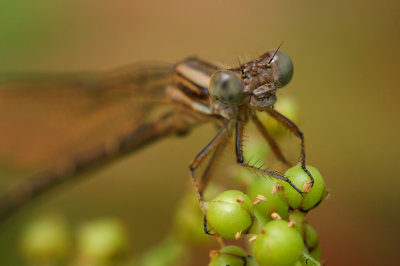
<point>48,118</point>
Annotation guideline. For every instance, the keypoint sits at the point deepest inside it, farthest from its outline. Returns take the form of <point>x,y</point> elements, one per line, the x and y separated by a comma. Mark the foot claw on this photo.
<point>208,232</point>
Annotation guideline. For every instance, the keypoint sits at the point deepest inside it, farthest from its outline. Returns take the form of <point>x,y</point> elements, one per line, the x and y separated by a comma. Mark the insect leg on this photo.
<point>215,143</point>
<point>272,143</point>
<point>205,177</point>
<point>286,122</point>
<point>240,159</point>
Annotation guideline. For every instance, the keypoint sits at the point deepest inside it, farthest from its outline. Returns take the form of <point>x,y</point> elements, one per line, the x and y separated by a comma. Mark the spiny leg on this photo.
<point>218,143</point>
<point>219,138</point>
<point>286,122</point>
<point>205,177</point>
<point>240,159</point>
<point>212,164</point>
<point>272,143</point>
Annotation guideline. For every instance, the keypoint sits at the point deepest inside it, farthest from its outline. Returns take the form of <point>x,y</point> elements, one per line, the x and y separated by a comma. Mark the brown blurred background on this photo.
<point>346,56</point>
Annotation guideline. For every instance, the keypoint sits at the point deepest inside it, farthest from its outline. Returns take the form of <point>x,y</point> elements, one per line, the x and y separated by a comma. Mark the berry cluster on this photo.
<point>271,217</point>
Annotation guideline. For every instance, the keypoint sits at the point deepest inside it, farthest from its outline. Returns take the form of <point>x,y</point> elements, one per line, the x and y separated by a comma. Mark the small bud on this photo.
<point>214,253</point>
<point>258,199</point>
<point>239,199</point>
<point>276,187</point>
<point>276,216</point>
<point>307,186</point>
<point>253,238</point>
<point>261,197</point>
<point>292,224</point>
<point>238,235</point>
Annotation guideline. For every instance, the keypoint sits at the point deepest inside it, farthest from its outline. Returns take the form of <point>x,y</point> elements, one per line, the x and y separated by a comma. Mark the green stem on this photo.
<point>307,257</point>
<point>297,217</point>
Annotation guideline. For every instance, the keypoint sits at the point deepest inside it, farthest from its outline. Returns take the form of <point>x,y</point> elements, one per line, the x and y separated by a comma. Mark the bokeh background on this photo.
<point>346,56</point>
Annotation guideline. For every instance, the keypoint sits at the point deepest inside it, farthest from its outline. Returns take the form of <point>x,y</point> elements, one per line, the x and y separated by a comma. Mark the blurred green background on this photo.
<point>346,56</point>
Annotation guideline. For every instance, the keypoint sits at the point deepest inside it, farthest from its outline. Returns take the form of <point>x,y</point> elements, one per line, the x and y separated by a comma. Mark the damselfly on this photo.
<point>70,123</point>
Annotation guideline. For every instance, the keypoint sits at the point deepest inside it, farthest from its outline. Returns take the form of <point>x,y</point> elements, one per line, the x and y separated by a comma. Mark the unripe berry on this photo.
<point>230,214</point>
<point>273,203</point>
<point>46,240</point>
<point>102,240</point>
<point>301,180</point>
<point>229,255</point>
<point>278,244</point>
<point>232,256</point>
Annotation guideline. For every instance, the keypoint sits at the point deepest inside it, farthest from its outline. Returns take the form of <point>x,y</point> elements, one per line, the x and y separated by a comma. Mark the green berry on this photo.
<point>226,259</point>
<point>263,186</point>
<point>230,214</point>
<point>46,240</point>
<point>230,255</point>
<point>310,236</point>
<point>233,250</point>
<point>299,178</point>
<point>102,240</point>
<point>278,244</point>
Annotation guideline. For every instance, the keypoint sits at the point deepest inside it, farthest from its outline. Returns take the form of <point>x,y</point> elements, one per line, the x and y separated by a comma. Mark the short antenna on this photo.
<point>277,49</point>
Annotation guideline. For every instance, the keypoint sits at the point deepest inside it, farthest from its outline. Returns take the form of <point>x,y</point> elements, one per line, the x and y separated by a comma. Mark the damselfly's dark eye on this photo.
<point>227,87</point>
<point>284,65</point>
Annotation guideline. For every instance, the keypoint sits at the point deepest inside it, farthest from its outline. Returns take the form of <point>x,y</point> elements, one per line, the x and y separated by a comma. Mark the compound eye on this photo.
<point>284,66</point>
<point>227,87</point>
